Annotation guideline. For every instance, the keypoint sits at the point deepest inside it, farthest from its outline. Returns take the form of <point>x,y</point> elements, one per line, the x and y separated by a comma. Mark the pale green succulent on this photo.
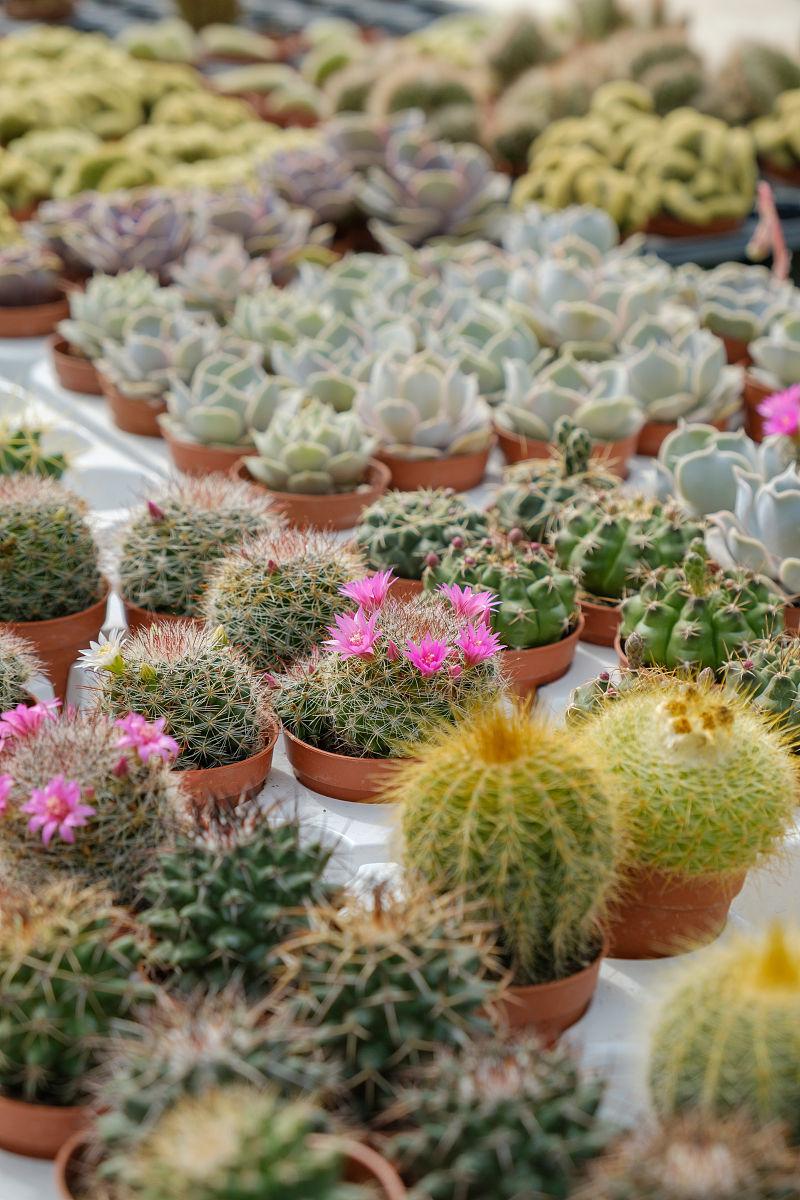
<point>54,149</point>
<point>762,533</point>
<point>680,375</point>
<point>777,354</point>
<point>212,276</point>
<point>99,313</point>
<point>573,229</point>
<point>343,348</point>
<point>354,280</point>
<point>276,314</point>
<point>312,450</point>
<point>736,300</point>
<point>480,336</point>
<point>226,400</point>
<point>157,347</point>
<point>595,397</point>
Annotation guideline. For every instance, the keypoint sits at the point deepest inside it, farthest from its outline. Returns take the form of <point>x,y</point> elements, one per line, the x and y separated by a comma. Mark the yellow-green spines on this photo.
<point>728,1038</point>
<point>504,805</point>
<point>18,666</point>
<point>705,786</point>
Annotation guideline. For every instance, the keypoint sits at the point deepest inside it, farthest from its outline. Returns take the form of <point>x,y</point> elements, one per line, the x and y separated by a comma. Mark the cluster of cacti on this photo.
<point>224,397</point>
<point>158,349</point>
<point>275,595</point>
<point>594,397</point>
<point>406,531</point>
<point>19,665</point>
<point>68,977</point>
<point>100,312</point>
<point>49,565</point>
<point>311,449</point>
<point>29,275</point>
<point>767,673</point>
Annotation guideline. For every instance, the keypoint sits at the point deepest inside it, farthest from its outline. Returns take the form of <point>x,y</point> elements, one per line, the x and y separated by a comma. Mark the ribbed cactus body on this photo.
<point>18,666</point>
<point>402,529</point>
<point>767,672</point>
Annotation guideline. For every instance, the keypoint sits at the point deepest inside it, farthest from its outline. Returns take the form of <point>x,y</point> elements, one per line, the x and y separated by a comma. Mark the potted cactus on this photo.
<point>775,367</point>
<point>503,805</point>
<point>767,673</point>
<point>68,963</point>
<point>317,467</point>
<point>29,444</point>
<point>706,790</point>
<point>51,590</point>
<point>205,696</point>
<point>431,426</point>
<point>388,669</point>
<point>19,666</point>
<point>531,604</point>
<point>169,543</point>
<point>32,300</point>
<point>404,532</point>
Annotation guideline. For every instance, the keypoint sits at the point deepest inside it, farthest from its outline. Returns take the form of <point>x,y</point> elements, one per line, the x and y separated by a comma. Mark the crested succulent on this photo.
<point>678,754</point>
<point>315,178</point>
<point>264,222</point>
<point>349,974</point>
<point>593,396</point>
<point>49,567</point>
<point>495,1120</point>
<point>212,276</point>
<point>407,530</point>
<point>29,275</point>
<point>727,1039</point>
<point>100,312</point>
<point>275,595</point>
<point>735,300</point>
<point>767,673</point>
<point>19,665</point>
<point>312,450</point>
<point>169,544</point>
<point>698,615</point>
<point>423,408</point>
<point>168,40</point>
<point>224,397</point>
<point>68,978</point>
<point>157,348</point>
<point>776,355</point>
<point>685,376</point>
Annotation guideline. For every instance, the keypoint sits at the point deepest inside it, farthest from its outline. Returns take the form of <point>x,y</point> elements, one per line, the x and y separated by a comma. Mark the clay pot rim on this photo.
<point>541,989</point>
<point>39,307</point>
<point>600,603</point>
<point>152,402</point>
<point>169,434</point>
<point>49,1109</point>
<point>375,468</point>
<point>634,873</point>
<point>573,635</point>
<point>60,345</point>
<point>329,754</point>
<point>272,732</point>
<point>52,621</point>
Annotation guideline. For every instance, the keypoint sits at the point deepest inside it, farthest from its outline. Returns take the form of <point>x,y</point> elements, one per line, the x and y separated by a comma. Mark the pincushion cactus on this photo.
<point>776,355</point>
<point>211,277</point>
<point>595,397</point>
<point>312,450</point>
<point>29,275</point>
<point>223,398</point>
<point>408,530</point>
<point>99,313</point>
<point>29,445</point>
<point>68,977</point>
<point>157,347</point>
<point>169,544</point>
<point>686,375</point>
<point>19,665</point>
<point>275,595</point>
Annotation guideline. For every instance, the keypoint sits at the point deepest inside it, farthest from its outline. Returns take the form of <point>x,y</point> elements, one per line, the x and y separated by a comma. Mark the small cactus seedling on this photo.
<point>767,672</point>
<point>406,531</point>
<point>19,665</point>
<point>728,1038</point>
<point>590,698</point>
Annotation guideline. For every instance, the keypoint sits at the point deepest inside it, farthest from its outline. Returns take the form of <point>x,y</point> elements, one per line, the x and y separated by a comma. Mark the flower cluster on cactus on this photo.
<point>407,531</point>
<point>220,395</point>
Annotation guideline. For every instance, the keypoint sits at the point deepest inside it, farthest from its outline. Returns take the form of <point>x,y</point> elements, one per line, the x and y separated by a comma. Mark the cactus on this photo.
<point>407,530</point>
<point>68,977</point>
<point>275,595</point>
<point>199,13</point>
<point>767,673</point>
<point>590,698</point>
<point>465,1124</point>
<point>28,444</point>
<point>728,1037</point>
<point>611,542</point>
<point>49,567</point>
<point>697,615</point>
<point>519,43</point>
<point>158,349</point>
<point>19,665</point>
<point>754,77</point>
<point>537,602</point>
<point>728,775</point>
<point>211,277</point>
<point>776,355</point>
<point>29,275</point>
<point>99,313</point>
<point>348,975</point>
<point>312,450</point>
<point>594,397</point>
<point>223,399</point>
<point>685,375</point>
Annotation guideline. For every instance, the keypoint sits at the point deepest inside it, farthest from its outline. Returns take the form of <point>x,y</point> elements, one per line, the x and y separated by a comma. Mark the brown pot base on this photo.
<point>662,913</point>
<point>132,416</point>
<point>339,511</point>
<point>791,618</point>
<point>664,225</point>
<point>32,320</point>
<point>461,472</point>
<point>615,456</point>
<point>529,669</point>
<point>551,1008</point>
<point>38,1130</point>
<point>600,623</point>
<point>338,775</point>
<point>73,371</point>
<point>59,640</point>
<point>235,782</point>
<point>193,458</point>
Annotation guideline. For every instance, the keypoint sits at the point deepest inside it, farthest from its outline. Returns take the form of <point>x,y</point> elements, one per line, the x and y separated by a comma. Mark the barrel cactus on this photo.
<point>223,398</point>
<point>767,672</point>
<point>594,397</point>
<point>19,665</point>
<point>776,355</point>
<point>312,450</point>
<point>156,348</point>
<point>408,530</point>
<point>98,314</point>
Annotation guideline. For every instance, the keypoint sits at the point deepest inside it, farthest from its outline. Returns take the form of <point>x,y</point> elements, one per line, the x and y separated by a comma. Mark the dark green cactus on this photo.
<point>768,673</point>
<point>520,42</point>
<point>18,666</point>
<point>403,530</point>
<point>21,452</point>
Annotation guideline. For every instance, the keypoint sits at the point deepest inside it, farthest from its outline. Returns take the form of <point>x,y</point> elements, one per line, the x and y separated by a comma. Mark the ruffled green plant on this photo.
<point>406,531</point>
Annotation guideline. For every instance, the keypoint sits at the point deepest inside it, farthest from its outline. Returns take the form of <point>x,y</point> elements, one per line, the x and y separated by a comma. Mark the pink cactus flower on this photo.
<point>370,592</point>
<point>392,651</point>
<point>156,512</point>
<point>147,738</point>
<point>454,670</point>
<point>781,412</point>
<point>6,784</point>
<point>429,656</point>
<point>477,643</point>
<point>25,719</point>
<point>354,635</point>
<point>57,808</point>
<point>468,604</point>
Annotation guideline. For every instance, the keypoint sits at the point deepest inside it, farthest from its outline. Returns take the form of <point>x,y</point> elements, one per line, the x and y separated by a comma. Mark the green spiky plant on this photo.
<point>612,541</point>
<point>403,530</point>
<point>222,898</point>
<point>728,1037</point>
<point>169,544</point>
<point>537,601</point>
<point>19,664</point>
<point>534,493</point>
<point>215,704</point>
<point>239,1142</point>
<point>135,803</point>
<point>48,557</point>
<point>767,672</point>
<point>387,981</point>
<point>275,595</point>
<point>705,786</point>
<point>502,1118</point>
<point>697,1158</point>
<point>695,614</point>
<point>67,977</point>
<point>504,806</point>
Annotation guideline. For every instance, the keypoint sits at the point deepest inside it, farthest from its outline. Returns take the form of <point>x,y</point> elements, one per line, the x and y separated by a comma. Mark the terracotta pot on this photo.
<point>600,622</point>
<point>38,1130</point>
<point>550,1008</point>
<point>26,213</point>
<point>664,225</point>
<point>791,618</point>
<point>406,589</point>
<point>754,393</point>
<point>340,511</point>
<point>618,646</point>
<point>341,776</point>
<point>662,913</point>
<point>132,416</point>
<point>58,640</point>
<point>615,455</point>
<point>790,175</point>
<point>529,669</point>
<point>195,459</point>
<point>234,782</point>
<point>459,472</point>
<point>652,434</point>
<point>32,320</point>
<point>142,618</point>
<point>73,371</point>
<point>736,351</point>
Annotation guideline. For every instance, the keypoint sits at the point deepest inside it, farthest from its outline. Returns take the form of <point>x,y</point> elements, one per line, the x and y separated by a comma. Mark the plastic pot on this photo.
<point>600,622</point>
<point>342,776</point>
<point>459,472</point>
<point>142,618</point>
<point>338,511</point>
<point>38,1130</point>
<point>228,785</point>
<point>132,416</point>
<point>652,434</point>
<point>551,1008</point>
<point>614,455</point>
<point>58,640</point>
<point>662,913</point>
<point>528,669</point>
<point>754,393</point>
<point>32,320</point>
<point>73,371</point>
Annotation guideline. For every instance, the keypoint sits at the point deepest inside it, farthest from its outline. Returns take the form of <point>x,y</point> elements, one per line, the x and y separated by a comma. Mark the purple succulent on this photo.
<point>29,275</point>
<point>317,178</point>
<point>264,222</point>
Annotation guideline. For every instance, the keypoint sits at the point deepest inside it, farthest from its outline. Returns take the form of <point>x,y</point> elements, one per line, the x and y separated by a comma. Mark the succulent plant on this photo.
<point>19,665</point>
<point>416,667</point>
<point>29,275</point>
<point>170,543</point>
<point>695,744</point>
<point>100,312</point>
<point>312,450</point>
<point>680,376</point>
<point>728,1037</point>
<point>348,975</point>
<point>767,673</point>
<point>157,348</point>
<point>480,337</point>
<point>223,397</point>
<point>212,276</point>
<point>315,178</point>
<point>595,397</point>
<point>68,977</point>
<point>200,13</point>
<point>776,355</point>
<point>265,223</point>
<point>344,349</point>
<point>275,316</point>
<point>753,77</point>
<point>735,300</point>
<point>494,1120</point>
<point>168,40</point>
<point>50,564</point>
<point>350,286</point>
<point>761,534</point>
<point>580,228</point>
<point>423,408</point>
<point>275,595</point>
<point>407,530</point>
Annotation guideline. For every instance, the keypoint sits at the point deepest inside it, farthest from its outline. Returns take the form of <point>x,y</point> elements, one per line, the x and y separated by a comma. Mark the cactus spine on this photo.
<point>403,529</point>
<point>767,672</point>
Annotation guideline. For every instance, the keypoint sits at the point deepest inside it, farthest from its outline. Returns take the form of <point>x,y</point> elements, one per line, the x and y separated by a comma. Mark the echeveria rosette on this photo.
<point>99,313</point>
<point>735,300</point>
<point>264,223</point>
<point>312,450</point>
<point>776,356</point>
<point>762,533</point>
<point>211,276</point>
<point>578,226</point>
<point>684,375</point>
<point>225,399</point>
<point>594,397</point>
<point>157,347</point>
<point>316,178</point>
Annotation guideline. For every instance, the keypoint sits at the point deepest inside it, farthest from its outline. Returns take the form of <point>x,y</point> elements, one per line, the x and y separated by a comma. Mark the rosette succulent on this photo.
<point>212,276</point>
<point>762,533</point>
<point>29,275</point>
<point>316,178</point>
<point>264,222</point>
<point>734,300</point>
<point>578,228</point>
<point>224,399</point>
<point>157,348</point>
<point>776,355</point>
<point>595,397</point>
<point>480,337</point>
<point>98,314</point>
<point>312,450</point>
<point>683,375</point>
